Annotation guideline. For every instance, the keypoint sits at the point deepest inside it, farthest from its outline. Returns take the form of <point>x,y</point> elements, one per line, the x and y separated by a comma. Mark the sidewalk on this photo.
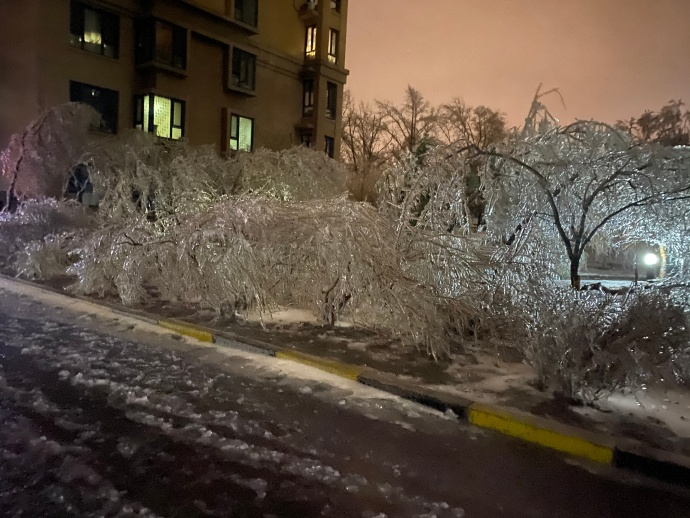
<point>648,432</point>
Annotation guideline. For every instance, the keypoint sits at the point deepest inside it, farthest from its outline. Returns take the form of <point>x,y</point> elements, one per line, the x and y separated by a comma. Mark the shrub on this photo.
<point>589,344</point>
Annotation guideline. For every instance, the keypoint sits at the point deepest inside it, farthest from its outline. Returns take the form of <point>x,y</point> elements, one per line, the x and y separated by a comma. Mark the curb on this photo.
<point>624,453</point>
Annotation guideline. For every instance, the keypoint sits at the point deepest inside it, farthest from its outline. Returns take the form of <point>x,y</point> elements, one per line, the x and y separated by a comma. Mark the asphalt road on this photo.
<point>102,416</point>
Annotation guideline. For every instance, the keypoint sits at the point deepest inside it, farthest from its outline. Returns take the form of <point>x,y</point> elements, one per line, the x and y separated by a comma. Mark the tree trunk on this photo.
<point>575,272</point>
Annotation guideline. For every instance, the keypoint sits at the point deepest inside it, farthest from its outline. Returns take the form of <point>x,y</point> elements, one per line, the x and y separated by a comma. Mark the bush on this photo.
<point>38,221</point>
<point>332,256</point>
<point>589,344</point>
<point>38,161</point>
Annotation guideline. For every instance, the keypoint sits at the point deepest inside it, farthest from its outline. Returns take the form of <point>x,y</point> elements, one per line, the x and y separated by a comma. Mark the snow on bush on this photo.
<point>332,256</point>
<point>588,344</point>
<point>296,174</point>
<point>35,222</point>
<point>39,160</point>
<point>137,174</point>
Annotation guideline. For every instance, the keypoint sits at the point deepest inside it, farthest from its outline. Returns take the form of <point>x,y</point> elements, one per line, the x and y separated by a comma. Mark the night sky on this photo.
<point>611,59</point>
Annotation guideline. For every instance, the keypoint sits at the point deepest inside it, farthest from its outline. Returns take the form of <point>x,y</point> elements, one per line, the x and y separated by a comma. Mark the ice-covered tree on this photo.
<point>39,160</point>
<point>584,181</point>
<point>670,126</point>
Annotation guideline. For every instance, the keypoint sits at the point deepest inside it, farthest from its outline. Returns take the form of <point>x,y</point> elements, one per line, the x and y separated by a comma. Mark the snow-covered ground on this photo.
<point>89,417</point>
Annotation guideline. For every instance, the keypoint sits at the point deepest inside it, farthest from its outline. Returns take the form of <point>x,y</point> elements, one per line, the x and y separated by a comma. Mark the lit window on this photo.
<point>241,133</point>
<point>162,116</point>
<point>246,11</point>
<point>243,69</point>
<point>94,30</point>
<point>310,45</point>
<point>333,45</point>
<point>308,97</point>
<point>103,100</point>
<point>329,148</point>
<point>331,100</point>
<point>335,5</point>
<point>161,42</point>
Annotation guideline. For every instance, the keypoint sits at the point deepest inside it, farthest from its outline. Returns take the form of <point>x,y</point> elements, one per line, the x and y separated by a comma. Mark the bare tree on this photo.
<point>366,143</point>
<point>464,125</point>
<point>461,125</point>
<point>411,125</point>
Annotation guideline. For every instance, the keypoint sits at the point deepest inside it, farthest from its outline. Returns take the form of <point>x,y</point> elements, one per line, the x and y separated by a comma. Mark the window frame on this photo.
<point>329,146</point>
<point>236,70</point>
<point>333,45</point>
<point>147,48</point>
<point>331,100</point>
<point>108,124</point>
<point>239,6</point>
<point>310,42</point>
<point>145,121</point>
<point>236,128</point>
<point>308,96</point>
<point>109,27</point>
<point>306,140</point>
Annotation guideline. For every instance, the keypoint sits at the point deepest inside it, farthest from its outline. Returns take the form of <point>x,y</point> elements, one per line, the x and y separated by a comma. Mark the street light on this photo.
<point>651,259</point>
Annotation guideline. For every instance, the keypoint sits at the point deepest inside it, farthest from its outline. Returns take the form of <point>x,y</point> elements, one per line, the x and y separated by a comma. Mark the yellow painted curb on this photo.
<point>487,417</point>
<point>187,329</point>
<point>340,369</point>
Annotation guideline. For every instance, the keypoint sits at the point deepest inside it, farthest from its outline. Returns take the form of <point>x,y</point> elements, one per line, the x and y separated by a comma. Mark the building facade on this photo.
<point>238,74</point>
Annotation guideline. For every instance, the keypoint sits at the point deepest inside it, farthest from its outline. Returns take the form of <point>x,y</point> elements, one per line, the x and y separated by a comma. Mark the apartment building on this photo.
<point>238,74</point>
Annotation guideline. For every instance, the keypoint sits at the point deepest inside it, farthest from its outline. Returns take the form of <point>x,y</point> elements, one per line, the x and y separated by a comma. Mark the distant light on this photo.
<point>651,259</point>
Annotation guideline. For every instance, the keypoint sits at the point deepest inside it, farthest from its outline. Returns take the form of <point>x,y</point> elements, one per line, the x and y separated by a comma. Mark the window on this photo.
<point>246,11</point>
<point>333,36</point>
<point>305,139</point>
<point>94,30</point>
<point>310,45</point>
<point>161,42</point>
<point>335,5</point>
<point>162,116</point>
<point>331,100</point>
<point>243,69</point>
<point>104,101</point>
<point>241,133</point>
<point>329,149</point>
<point>308,97</point>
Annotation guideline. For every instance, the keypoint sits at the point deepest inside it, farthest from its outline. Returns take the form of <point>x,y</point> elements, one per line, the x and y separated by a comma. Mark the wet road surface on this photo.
<point>103,417</point>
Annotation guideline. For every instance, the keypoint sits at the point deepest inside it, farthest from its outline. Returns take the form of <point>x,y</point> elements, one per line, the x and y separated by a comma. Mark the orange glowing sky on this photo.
<point>611,59</point>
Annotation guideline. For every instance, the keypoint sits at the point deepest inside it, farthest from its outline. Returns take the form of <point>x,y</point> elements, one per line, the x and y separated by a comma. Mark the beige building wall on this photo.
<point>37,64</point>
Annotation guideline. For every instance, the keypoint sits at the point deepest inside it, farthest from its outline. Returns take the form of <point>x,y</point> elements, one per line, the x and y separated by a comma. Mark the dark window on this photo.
<point>310,43</point>
<point>241,133</point>
<point>305,139</point>
<point>94,30</point>
<point>331,100</point>
<point>247,11</point>
<point>333,36</point>
<point>335,5</point>
<point>329,148</point>
<point>161,42</point>
<point>243,69</point>
<point>104,101</point>
<point>308,97</point>
<point>162,116</point>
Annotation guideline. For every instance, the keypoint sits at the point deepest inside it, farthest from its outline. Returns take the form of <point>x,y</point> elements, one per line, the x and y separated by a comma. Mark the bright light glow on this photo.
<point>651,259</point>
